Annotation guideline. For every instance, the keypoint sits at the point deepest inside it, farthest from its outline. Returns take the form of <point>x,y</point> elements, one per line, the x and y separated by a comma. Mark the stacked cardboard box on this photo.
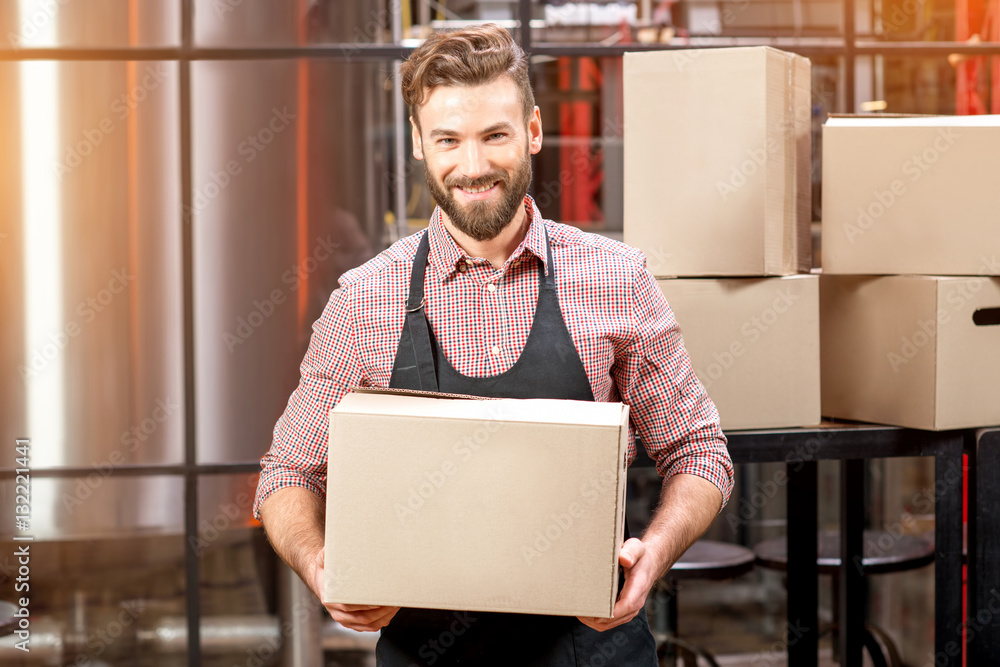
<point>911,242</point>
<point>717,183</point>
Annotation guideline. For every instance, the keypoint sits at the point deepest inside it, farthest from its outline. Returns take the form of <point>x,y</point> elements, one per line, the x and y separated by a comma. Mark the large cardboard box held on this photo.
<point>484,505</point>
<point>717,161</point>
<point>754,344</point>
<point>911,195</point>
<point>917,351</point>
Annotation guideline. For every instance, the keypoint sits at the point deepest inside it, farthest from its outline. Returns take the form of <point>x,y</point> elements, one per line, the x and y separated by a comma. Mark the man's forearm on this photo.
<point>688,505</point>
<point>293,518</point>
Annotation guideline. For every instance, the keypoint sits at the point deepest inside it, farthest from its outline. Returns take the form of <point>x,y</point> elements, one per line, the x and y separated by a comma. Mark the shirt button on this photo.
<point>491,287</point>
<point>495,349</point>
<point>469,262</point>
<point>462,268</point>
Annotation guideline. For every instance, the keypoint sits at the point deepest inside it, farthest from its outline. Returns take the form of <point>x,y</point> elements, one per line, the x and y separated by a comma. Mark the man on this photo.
<point>493,300</point>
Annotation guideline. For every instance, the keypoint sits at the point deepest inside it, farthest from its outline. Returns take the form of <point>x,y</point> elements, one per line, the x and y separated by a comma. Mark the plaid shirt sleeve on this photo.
<point>298,453</point>
<point>670,409</point>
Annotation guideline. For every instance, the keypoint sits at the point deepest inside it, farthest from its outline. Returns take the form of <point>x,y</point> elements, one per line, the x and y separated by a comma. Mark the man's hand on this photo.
<point>688,504</point>
<point>641,572</point>
<point>364,618</point>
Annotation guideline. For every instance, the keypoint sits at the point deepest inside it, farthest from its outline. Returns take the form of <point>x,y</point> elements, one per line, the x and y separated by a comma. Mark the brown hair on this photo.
<point>468,57</point>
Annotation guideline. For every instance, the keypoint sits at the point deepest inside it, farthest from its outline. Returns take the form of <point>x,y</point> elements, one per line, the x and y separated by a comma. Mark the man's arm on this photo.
<point>294,521</point>
<point>679,426</point>
<point>293,518</point>
<point>290,494</point>
<point>688,505</point>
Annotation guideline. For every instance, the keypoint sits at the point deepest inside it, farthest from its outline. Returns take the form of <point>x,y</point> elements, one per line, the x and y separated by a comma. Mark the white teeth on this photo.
<point>477,190</point>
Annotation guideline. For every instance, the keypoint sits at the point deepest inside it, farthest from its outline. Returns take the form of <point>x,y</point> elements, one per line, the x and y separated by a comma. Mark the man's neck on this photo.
<point>498,249</point>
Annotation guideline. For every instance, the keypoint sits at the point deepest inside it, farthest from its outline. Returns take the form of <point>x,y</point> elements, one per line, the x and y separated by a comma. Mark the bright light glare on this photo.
<point>45,335</point>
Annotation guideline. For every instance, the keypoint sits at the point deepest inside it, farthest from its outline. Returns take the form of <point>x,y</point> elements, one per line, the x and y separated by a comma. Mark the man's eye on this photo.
<point>447,141</point>
<point>497,135</point>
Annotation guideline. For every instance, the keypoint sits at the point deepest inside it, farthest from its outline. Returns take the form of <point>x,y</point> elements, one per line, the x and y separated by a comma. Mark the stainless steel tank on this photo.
<point>290,189</point>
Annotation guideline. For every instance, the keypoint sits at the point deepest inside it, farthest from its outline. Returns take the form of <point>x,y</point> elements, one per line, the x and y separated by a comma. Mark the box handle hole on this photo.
<point>985,317</point>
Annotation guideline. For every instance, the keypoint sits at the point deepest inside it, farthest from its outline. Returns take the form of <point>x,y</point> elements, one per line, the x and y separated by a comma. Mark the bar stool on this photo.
<point>883,553</point>
<point>706,559</point>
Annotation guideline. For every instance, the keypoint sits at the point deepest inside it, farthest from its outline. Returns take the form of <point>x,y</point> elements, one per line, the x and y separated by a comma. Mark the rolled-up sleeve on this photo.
<point>670,409</point>
<point>298,453</point>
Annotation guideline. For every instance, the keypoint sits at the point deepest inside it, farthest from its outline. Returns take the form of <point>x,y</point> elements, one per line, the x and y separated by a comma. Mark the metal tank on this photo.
<point>290,188</point>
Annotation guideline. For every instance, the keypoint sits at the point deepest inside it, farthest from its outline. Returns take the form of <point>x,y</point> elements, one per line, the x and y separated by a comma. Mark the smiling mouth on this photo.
<point>477,190</point>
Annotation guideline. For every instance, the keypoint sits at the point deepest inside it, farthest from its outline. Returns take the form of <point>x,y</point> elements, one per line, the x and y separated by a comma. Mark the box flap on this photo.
<point>417,392</point>
<point>901,120</point>
<point>534,410</point>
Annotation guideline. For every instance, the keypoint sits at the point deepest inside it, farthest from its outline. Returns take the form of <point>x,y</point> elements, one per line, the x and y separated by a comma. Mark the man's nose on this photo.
<point>474,163</point>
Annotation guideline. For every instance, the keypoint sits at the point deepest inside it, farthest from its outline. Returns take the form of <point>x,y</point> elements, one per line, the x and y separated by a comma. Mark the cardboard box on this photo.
<point>717,161</point>
<point>754,344</point>
<point>484,505</point>
<point>913,351</point>
<point>911,195</point>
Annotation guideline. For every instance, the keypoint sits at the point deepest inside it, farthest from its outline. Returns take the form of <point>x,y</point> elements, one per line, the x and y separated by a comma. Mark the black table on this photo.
<point>984,547</point>
<point>852,444</point>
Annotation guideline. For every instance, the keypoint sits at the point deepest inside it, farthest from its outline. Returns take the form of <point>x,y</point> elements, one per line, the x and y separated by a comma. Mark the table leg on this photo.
<point>984,549</point>
<point>948,477</point>
<point>803,571</point>
<point>852,585</point>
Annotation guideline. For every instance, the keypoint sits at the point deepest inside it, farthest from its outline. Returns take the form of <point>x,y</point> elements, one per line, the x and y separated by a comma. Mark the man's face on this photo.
<point>477,152</point>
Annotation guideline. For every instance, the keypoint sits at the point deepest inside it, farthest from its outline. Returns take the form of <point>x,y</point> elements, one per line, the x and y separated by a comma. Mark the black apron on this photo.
<point>549,367</point>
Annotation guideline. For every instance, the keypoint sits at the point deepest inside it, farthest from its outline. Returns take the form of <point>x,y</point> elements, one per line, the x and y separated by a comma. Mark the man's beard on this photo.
<point>483,220</point>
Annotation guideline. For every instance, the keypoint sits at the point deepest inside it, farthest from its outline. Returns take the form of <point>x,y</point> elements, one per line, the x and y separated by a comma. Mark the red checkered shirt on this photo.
<point>624,331</point>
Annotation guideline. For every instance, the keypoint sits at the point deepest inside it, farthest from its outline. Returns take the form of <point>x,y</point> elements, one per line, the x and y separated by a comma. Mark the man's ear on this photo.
<point>535,132</point>
<point>418,146</point>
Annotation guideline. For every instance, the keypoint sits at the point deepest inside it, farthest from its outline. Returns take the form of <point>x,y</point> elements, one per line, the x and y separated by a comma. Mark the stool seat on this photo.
<point>8,622</point>
<point>707,559</point>
<point>882,552</point>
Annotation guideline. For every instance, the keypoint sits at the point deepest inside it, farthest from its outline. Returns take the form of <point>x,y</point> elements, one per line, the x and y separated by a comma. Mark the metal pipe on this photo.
<point>300,612</point>
<point>259,634</point>
<point>46,644</point>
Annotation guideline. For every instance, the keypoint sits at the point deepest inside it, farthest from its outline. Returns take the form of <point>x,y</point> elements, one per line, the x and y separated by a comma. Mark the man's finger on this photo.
<point>631,552</point>
<point>371,622</point>
<point>357,607</point>
<point>603,624</point>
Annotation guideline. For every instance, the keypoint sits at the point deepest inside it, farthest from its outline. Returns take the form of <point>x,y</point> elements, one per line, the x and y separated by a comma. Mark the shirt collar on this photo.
<point>445,254</point>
